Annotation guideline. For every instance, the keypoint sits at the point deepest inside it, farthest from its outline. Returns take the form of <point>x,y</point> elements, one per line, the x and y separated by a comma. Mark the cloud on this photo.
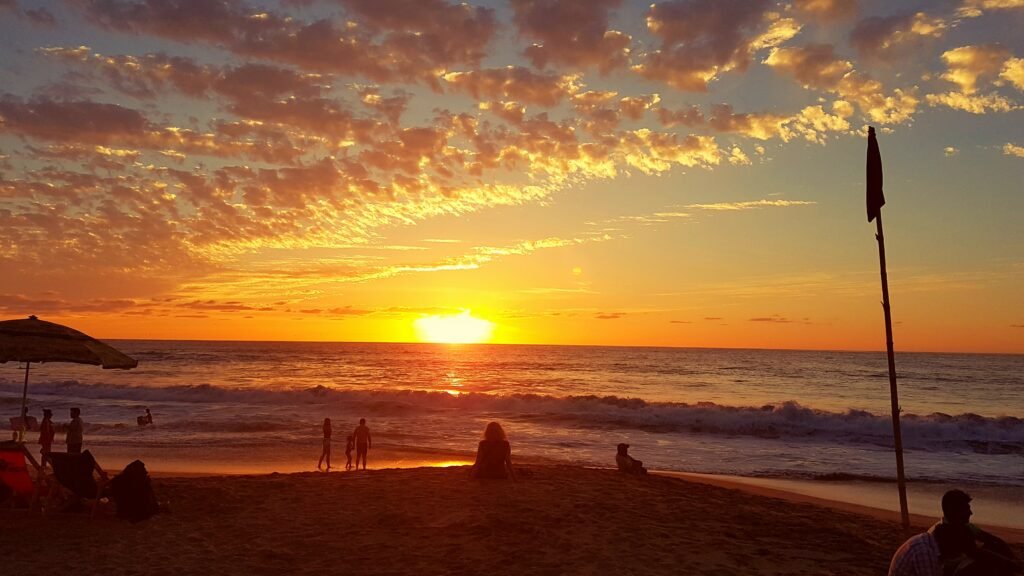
<point>950,151</point>
<point>391,39</point>
<point>653,152</point>
<point>634,107</point>
<point>18,304</point>
<point>812,123</point>
<point>516,83</point>
<point>750,205</point>
<point>700,39</point>
<point>97,123</point>
<point>975,8</point>
<point>690,116</point>
<point>890,37</point>
<point>777,319</point>
<point>1013,150</point>
<point>571,33</point>
<point>1013,72</point>
<point>816,66</point>
<point>966,64</point>
<point>264,93</point>
<point>41,17</point>
<point>827,10</point>
<point>965,67</point>
<point>348,311</point>
<point>215,306</point>
<point>737,157</point>
<point>609,315</point>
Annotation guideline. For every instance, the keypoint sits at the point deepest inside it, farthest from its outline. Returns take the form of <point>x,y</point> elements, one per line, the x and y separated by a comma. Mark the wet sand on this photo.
<point>556,520</point>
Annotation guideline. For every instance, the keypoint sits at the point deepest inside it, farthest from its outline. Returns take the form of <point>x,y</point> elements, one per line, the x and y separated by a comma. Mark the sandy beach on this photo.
<point>556,520</point>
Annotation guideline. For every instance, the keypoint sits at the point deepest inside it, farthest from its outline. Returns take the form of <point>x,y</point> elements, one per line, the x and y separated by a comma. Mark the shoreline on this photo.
<point>772,488</point>
<point>998,508</point>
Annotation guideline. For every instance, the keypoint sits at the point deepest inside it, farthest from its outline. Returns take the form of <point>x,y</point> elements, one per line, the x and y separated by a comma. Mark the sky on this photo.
<point>607,172</point>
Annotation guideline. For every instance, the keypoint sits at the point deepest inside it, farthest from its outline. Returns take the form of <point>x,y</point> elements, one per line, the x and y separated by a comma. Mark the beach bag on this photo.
<point>132,492</point>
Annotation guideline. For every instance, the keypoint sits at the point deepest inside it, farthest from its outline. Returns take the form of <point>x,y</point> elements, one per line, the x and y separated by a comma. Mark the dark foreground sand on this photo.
<point>558,520</point>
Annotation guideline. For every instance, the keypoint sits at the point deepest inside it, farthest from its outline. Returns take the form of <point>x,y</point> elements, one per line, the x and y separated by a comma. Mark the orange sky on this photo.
<point>682,173</point>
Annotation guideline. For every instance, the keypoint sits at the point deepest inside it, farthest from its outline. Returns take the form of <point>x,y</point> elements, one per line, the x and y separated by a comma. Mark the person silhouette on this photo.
<point>363,442</point>
<point>627,463</point>
<point>75,432</point>
<point>46,433</point>
<point>350,444</point>
<point>493,455</point>
<point>326,453</point>
<point>951,546</point>
<point>965,549</point>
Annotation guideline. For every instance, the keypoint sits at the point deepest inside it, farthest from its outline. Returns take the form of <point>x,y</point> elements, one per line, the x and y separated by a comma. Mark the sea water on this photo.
<point>259,406</point>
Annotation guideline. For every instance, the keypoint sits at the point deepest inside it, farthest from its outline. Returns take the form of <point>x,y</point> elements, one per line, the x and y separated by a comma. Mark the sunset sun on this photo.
<point>460,328</point>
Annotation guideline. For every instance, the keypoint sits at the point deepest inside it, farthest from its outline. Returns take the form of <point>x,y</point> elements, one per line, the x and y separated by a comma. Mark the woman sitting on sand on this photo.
<point>493,455</point>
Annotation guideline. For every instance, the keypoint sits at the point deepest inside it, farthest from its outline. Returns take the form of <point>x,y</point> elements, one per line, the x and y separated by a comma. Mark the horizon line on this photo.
<point>848,350</point>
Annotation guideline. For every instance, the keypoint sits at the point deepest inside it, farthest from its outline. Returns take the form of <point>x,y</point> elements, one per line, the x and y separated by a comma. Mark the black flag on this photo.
<point>875,197</point>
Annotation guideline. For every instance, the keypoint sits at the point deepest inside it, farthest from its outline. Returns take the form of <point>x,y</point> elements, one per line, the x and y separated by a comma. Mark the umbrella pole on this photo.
<point>24,398</point>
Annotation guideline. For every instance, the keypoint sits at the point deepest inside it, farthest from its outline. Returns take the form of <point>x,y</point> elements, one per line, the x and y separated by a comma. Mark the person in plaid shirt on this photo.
<point>918,556</point>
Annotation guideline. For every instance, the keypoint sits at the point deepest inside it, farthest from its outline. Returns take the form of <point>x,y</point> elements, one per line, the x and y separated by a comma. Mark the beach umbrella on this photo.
<point>34,340</point>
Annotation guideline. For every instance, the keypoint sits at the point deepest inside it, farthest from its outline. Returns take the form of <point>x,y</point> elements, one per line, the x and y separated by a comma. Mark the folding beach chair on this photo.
<point>79,475</point>
<point>15,460</point>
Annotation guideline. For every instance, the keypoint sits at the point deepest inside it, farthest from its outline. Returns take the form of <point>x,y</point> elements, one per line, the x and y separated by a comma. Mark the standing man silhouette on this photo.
<point>363,442</point>
<point>74,432</point>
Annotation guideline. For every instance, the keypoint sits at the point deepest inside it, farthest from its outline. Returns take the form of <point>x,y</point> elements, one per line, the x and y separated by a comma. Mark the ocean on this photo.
<point>799,415</point>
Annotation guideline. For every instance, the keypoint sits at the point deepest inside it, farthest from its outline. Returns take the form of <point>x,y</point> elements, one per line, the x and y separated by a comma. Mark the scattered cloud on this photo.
<point>816,66</point>
<point>701,39</point>
<point>966,66</point>
<point>890,37</point>
<point>571,33</point>
<point>775,319</point>
<point>827,10</point>
<point>399,40</point>
<point>950,151</point>
<point>975,8</point>
<point>514,82</point>
<point>750,205</point>
<point>1013,150</point>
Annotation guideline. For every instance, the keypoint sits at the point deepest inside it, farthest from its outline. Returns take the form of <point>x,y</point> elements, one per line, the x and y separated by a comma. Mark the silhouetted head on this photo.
<point>76,412</point>
<point>623,448</point>
<point>494,431</point>
<point>362,421</point>
<point>327,421</point>
<point>147,410</point>
<point>47,413</point>
<point>956,507</point>
<point>351,438</point>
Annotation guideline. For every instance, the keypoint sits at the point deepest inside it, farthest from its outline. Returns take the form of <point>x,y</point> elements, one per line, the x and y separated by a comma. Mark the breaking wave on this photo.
<point>787,420</point>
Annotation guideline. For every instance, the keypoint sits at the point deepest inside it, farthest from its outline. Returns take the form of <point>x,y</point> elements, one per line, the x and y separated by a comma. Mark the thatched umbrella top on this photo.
<point>35,340</point>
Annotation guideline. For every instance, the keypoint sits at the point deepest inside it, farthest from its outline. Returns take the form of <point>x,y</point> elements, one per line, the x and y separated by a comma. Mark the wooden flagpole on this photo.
<point>893,394</point>
<point>875,201</point>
